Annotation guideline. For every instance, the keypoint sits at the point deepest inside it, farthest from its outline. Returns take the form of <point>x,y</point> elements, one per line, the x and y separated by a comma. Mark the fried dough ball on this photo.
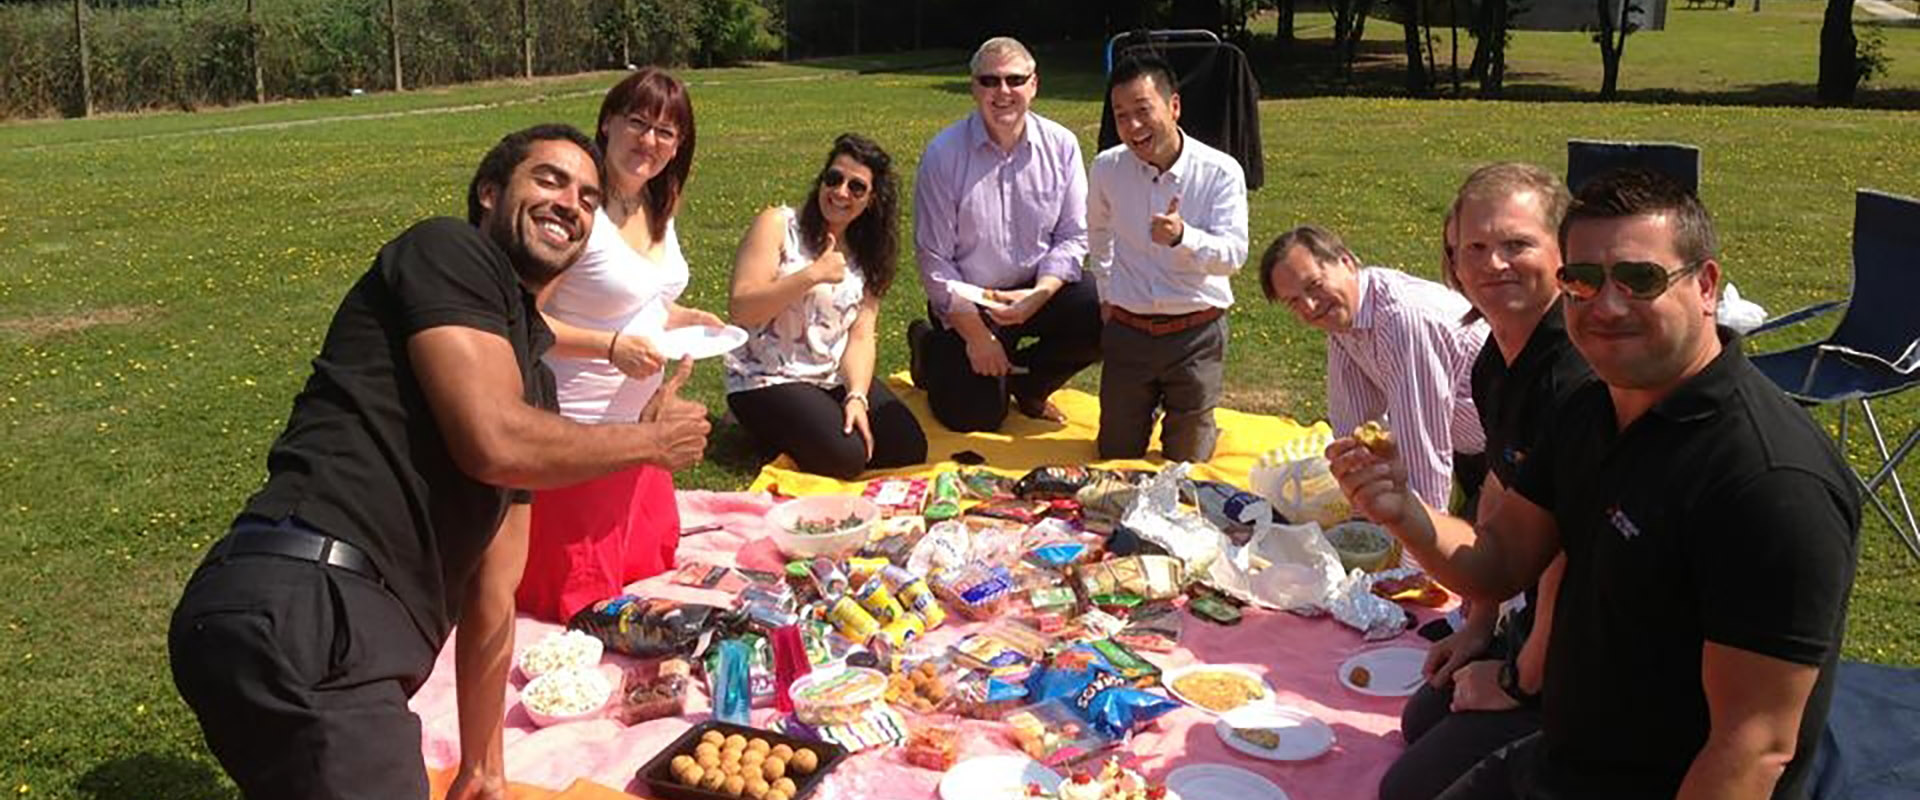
<point>751,758</point>
<point>805,761</point>
<point>757,743</point>
<point>774,769</point>
<point>714,738</point>
<point>776,794</point>
<point>680,763</point>
<point>1372,434</point>
<point>785,785</point>
<point>693,775</point>
<point>713,780</point>
<point>707,748</point>
<point>707,761</point>
<point>736,742</point>
<point>756,787</point>
<point>735,786</point>
<point>782,751</point>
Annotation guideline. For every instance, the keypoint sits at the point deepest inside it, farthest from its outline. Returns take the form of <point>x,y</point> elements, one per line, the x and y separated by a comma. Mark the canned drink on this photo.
<point>852,621</point>
<point>768,617</point>
<point>862,570</point>
<point>874,596</point>
<point>756,595</point>
<point>905,629</point>
<point>896,577</point>
<point>917,598</point>
<point>828,579</point>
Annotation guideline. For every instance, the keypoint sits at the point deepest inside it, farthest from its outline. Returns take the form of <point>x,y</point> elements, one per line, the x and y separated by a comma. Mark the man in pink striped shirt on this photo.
<point>1399,349</point>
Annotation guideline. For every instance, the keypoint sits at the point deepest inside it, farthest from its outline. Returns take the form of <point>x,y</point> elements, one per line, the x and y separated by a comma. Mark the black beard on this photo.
<point>533,270</point>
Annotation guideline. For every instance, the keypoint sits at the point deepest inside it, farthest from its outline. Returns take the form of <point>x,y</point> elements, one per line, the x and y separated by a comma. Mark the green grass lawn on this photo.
<point>164,280</point>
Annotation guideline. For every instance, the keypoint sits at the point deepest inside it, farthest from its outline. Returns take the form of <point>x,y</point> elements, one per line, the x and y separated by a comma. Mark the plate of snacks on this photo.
<point>1385,671</point>
<point>1275,733</point>
<point>721,760</point>
<point>1217,689</point>
<point>559,651</point>
<point>1003,777</point>
<point>566,695</point>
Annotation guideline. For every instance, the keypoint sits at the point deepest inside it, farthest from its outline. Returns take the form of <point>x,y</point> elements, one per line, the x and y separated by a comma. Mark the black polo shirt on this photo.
<point>1516,401</point>
<point>362,458</point>
<point>1723,514</point>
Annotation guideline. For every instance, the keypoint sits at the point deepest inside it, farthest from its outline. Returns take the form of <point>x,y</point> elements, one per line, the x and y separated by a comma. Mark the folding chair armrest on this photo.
<point>1796,317</point>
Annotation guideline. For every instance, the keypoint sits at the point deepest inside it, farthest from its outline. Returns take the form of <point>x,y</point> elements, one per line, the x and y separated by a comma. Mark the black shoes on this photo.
<point>917,332</point>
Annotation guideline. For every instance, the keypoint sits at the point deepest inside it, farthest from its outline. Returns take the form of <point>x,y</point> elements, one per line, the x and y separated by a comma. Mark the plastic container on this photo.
<point>837,697</point>
<point>545,698</point>
<point>658,773</point>
<point>788,517</point>
<point>569,649</point>
<point>1363,546</point>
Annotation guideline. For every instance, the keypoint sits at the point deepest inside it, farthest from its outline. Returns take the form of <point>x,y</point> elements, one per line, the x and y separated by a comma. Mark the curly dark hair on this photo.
<point>874,236</point>
<point>497,166</point>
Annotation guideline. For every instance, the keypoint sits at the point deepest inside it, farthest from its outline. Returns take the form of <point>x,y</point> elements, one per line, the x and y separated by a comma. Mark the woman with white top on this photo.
<point>589,540</point>
<point>807,287</point>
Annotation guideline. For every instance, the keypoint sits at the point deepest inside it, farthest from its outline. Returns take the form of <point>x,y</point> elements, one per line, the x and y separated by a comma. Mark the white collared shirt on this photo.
<point>1139,275</point>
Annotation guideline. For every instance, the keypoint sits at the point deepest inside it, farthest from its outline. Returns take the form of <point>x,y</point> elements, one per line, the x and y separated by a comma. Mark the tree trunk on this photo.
<point>1417,84</point>
<point>393,42</point>
<point>253,54</point>
<point>1613,44</point>
<point>1283,26</point>
<point>856,25</point>
<point>526,39</point>
<point>1453,34</point>
<point>1839,55</point>
<point>80,54</point>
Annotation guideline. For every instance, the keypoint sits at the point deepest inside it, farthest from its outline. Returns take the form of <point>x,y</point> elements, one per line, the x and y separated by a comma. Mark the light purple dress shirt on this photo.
<point>1409,358</point>
<point>999,219</point>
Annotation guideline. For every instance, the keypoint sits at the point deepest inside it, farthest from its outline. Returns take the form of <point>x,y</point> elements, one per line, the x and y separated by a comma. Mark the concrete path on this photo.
<point>1883,11</point>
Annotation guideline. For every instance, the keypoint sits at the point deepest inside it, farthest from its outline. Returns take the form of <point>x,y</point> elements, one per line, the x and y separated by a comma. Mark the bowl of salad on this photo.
<point>831,525</point>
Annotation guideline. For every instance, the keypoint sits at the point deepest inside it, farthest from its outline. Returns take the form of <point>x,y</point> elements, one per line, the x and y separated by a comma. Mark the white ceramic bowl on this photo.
<point>794,544</point>
<point>547,697</point>
<point>1362,545</point>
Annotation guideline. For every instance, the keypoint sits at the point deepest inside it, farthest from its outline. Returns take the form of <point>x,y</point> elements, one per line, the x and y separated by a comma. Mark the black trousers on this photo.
<point>804,421</point>
<point>1066,339</point>
<point>1443,745</point>
<point>299,674</point>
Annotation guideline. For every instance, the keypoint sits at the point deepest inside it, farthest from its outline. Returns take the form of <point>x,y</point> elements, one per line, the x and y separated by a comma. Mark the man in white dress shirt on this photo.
<point>1399,348</point>
<point>1166,230</point>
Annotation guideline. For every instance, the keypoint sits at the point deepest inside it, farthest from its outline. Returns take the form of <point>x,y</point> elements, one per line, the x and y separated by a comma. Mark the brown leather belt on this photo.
<point>1165,324</point>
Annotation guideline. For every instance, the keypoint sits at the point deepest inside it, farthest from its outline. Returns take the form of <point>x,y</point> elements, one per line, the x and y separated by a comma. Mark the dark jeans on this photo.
<point>1178,373</point>
<point>1443,745</point>
<point>1066,339</point>
<point>299,674</point>
<point>804,421</point>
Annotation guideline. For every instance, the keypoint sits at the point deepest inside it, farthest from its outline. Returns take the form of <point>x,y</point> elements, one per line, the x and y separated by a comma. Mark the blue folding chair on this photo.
<point>1588,159</point>
<point>1875,351</point>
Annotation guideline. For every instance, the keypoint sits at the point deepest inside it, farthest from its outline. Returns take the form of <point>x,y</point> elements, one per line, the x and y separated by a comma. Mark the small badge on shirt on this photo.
<point>1622,523</point>
<point>1514,456</point>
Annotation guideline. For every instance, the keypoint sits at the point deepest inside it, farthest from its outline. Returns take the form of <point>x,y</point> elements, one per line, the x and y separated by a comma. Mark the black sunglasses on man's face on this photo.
<point>993,81</point>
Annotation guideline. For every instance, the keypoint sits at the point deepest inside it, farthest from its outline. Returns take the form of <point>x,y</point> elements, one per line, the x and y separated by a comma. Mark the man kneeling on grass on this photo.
<point>309,625</point>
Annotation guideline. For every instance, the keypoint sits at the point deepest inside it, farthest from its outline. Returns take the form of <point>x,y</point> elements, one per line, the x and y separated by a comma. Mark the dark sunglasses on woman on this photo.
<point>993,81</point>
<point>834,177</point>
<point>1643,280</point>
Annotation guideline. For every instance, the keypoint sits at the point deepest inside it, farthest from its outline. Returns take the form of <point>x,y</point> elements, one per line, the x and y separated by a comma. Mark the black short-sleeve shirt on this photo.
<point>362,458</point>
<point>1516,401</point>
<point>1724,514</point>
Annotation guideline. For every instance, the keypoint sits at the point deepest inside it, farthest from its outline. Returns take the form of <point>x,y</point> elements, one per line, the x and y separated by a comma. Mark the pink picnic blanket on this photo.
<point>1298,656</point>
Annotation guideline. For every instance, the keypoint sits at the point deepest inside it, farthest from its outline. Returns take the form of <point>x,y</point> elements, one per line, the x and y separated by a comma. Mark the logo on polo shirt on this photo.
<point>1622,523</point>
<point>1514,456</point>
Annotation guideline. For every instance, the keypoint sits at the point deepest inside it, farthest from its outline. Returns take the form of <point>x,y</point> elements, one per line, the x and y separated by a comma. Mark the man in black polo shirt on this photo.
<point>1502,252</point>
<point>1710,531</point>
<point>301,636</point>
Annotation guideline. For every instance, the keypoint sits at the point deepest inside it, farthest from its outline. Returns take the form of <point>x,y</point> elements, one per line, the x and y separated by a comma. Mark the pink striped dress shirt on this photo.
<point>1408,360</point>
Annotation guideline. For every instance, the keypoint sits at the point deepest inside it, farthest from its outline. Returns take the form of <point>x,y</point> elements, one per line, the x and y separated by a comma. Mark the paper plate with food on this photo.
<point>1385,671</point>
<point>1217,689</point>
<point>982,297</point>
<point>1275,733</point>
<point>997,778</point>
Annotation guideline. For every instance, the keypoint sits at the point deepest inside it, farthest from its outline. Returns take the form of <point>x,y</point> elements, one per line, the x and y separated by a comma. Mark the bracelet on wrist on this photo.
<point>611,341</point>
<point>852,396</point>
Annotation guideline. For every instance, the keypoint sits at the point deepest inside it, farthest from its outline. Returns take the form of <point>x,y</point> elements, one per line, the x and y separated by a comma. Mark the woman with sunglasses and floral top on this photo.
<point>807,286</point>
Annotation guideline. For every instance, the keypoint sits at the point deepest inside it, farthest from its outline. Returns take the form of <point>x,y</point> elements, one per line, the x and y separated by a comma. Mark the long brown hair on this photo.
<point>873,236</point>
<point>655,93</point>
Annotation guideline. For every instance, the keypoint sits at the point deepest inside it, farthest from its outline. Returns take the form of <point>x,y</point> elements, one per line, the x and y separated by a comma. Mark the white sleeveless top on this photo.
<point>613,288</point>
<point>804,342</point>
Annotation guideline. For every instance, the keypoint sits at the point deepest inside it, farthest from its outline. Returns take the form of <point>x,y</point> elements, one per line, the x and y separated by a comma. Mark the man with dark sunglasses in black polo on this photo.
<point>1709,526</point>
<point>1000,204</point>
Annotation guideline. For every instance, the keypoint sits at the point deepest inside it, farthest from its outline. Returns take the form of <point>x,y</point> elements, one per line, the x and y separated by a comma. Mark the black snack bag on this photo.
<point>1052,482</point>
<point>650,627</point>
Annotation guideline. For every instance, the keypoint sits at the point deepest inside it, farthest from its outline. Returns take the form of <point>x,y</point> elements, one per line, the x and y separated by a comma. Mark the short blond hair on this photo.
<point>1003,46</point>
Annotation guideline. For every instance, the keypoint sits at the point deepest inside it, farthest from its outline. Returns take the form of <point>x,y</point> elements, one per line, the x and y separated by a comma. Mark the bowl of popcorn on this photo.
<point>569,694</point>
<point>559,651</point>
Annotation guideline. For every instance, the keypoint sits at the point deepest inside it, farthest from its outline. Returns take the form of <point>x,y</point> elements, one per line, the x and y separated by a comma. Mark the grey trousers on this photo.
<point>1179,374</point>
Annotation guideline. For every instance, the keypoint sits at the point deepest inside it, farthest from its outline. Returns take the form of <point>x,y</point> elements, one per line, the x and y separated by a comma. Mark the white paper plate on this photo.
<point>699,341</point>
<point>1168,680</point>
<point>1393,671</point>
<point>996,777</point>
<point>1302,735</point>
<point>1220,782</point>
<point>974,294</point>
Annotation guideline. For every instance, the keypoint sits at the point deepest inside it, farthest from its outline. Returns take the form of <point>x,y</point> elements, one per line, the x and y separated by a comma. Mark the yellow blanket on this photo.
<point>1025,443</point>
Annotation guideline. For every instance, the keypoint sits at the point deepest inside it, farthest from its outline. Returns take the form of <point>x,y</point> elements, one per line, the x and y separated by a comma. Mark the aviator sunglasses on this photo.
<point>994,81</point>
<point>833,177</point>
<point>1643,280</point>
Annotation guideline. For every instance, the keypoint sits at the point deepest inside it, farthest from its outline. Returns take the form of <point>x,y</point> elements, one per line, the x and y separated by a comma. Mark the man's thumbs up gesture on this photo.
<point>1167,228</point>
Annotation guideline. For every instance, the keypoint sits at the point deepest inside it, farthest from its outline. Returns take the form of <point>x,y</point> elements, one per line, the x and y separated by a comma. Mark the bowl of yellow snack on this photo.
<point>1364,546</point>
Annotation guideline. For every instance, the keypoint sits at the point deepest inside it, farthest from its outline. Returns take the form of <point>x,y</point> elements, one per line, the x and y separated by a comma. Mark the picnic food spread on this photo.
<point>1062,614</point>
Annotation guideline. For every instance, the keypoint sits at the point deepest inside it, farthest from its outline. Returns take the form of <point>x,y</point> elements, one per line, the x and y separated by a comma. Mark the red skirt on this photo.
<point>589,540</point>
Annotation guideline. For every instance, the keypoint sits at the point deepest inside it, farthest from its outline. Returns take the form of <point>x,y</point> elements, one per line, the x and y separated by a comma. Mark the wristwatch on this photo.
<point>1510,683</point>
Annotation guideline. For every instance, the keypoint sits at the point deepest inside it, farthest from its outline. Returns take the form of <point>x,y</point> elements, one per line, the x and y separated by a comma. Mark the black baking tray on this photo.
<point>657,774</point>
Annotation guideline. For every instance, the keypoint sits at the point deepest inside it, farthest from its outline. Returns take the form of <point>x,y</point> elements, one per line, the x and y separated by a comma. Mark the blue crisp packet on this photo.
<point>1059,554</point>
<point>1086,681</point>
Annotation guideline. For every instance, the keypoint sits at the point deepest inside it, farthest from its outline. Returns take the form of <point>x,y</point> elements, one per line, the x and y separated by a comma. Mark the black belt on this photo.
<point>300,545</point>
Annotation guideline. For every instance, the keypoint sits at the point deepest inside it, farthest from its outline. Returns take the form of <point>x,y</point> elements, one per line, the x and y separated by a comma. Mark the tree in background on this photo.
<point>1612,37</point>
<point>1840,71</point>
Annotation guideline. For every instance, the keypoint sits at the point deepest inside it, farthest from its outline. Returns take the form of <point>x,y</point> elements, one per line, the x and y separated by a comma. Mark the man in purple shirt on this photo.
<point>1000,204</point>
